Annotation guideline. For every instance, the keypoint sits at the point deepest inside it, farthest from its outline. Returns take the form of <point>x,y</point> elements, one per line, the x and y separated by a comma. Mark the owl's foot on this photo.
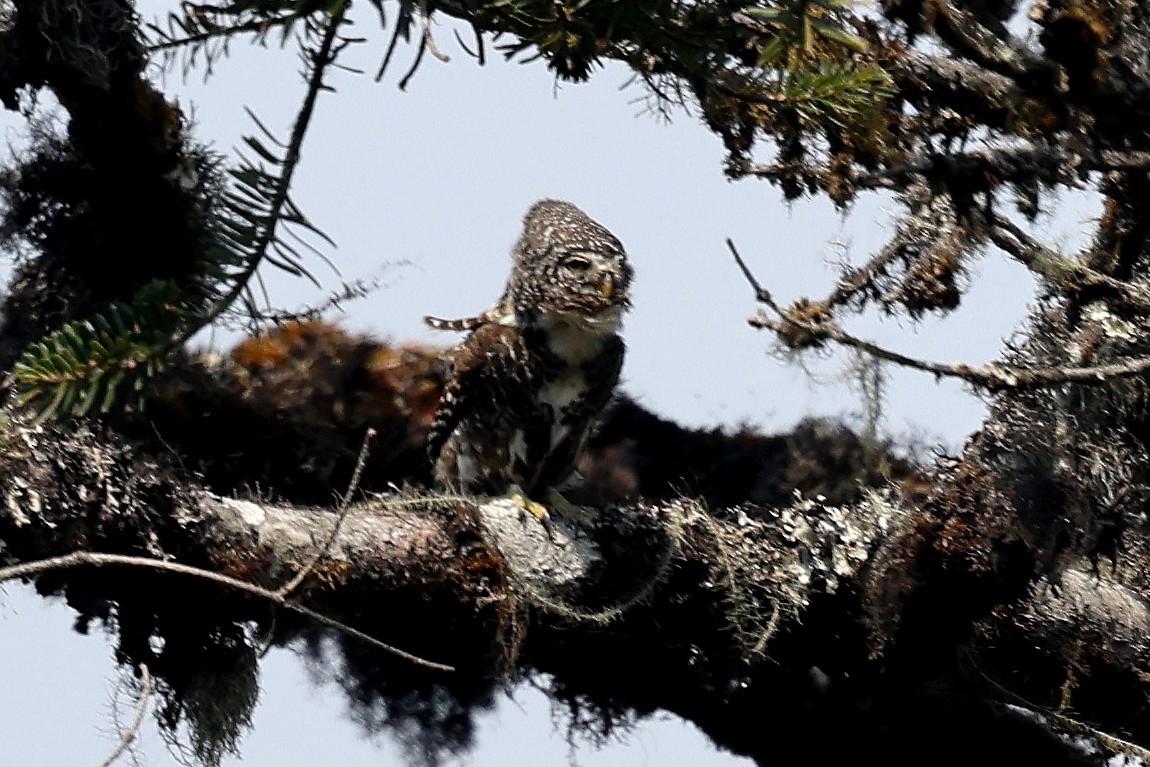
<point>534,508</point>
<point>573,515</point>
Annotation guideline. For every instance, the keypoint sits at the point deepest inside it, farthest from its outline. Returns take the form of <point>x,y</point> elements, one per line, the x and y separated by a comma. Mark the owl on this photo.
<point>538,367</point>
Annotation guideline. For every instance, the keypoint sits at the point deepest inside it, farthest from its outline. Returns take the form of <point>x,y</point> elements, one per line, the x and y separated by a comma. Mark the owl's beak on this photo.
<point>607,286</point>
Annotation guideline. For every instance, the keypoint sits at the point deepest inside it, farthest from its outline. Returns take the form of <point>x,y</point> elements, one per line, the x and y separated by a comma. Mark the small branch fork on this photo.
<point>98,559</point>
<point>990,376</point>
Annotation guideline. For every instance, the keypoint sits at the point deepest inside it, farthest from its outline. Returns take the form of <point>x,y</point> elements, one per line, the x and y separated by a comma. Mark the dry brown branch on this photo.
<point>98,559</point>
<point>133,730</point>
<point>990,376</point>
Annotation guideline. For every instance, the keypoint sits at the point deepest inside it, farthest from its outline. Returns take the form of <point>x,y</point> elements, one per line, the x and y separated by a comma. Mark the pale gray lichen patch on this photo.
<point>22,499</point>
<point>772,563</point>
<point>249,513</point>
<point>832,543</point>
<point>536,559</point>
<point>1112,326</point>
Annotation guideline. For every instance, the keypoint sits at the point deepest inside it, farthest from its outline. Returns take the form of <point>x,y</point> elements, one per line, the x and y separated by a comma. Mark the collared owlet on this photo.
<point>537,369</point>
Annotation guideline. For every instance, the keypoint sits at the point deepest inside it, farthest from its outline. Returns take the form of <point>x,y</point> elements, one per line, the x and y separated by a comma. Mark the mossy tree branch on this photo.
<point>729,630</point>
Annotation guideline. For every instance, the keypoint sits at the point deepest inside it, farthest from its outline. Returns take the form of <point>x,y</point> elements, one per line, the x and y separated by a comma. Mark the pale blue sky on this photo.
<point>427,188</point>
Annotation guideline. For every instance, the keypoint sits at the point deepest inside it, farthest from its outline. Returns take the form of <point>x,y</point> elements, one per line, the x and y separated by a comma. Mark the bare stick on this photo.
<point>344,503</point>
<point>133,730</point>
<point>990,376</point>
<point>762,295</point>
<point>100,559</point>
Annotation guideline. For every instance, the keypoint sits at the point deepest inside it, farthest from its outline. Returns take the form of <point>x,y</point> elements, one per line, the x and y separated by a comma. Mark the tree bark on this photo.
<point>892,624</point>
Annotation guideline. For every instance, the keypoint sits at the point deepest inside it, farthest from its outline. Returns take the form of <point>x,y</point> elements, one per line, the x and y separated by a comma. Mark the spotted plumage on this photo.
<point>540,365</point>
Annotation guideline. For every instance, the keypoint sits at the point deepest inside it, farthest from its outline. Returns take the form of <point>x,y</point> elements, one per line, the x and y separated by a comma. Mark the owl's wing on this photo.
<point>490,372</point>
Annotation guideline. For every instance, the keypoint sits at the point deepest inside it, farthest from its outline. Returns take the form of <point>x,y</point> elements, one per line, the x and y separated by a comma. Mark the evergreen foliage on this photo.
<point>104,361</point>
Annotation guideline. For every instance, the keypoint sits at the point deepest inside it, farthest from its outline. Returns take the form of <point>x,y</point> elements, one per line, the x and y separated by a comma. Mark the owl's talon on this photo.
<point>534,508</point>
<point>574,516</point>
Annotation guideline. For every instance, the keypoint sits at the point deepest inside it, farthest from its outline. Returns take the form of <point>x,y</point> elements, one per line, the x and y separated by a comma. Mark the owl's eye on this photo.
<point>577,265</point>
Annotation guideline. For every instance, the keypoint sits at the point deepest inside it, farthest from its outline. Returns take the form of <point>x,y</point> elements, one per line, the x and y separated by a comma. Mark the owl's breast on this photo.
<point>559,395</point>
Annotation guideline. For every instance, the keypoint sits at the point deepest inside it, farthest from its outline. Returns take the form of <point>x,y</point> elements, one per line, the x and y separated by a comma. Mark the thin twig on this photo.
<point>100,559</point>
<point>762,295</point>
<point>130,734</point>
<point>261,26</point>
<point>322,58</point>
<point>344,505</point>
<point>989,376</point>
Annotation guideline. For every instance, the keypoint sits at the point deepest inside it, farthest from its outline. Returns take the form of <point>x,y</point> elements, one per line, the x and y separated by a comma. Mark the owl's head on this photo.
<point>565,262</point>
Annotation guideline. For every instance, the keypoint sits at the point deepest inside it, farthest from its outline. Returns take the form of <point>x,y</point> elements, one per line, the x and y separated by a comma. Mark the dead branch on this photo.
<point>990,376</point>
